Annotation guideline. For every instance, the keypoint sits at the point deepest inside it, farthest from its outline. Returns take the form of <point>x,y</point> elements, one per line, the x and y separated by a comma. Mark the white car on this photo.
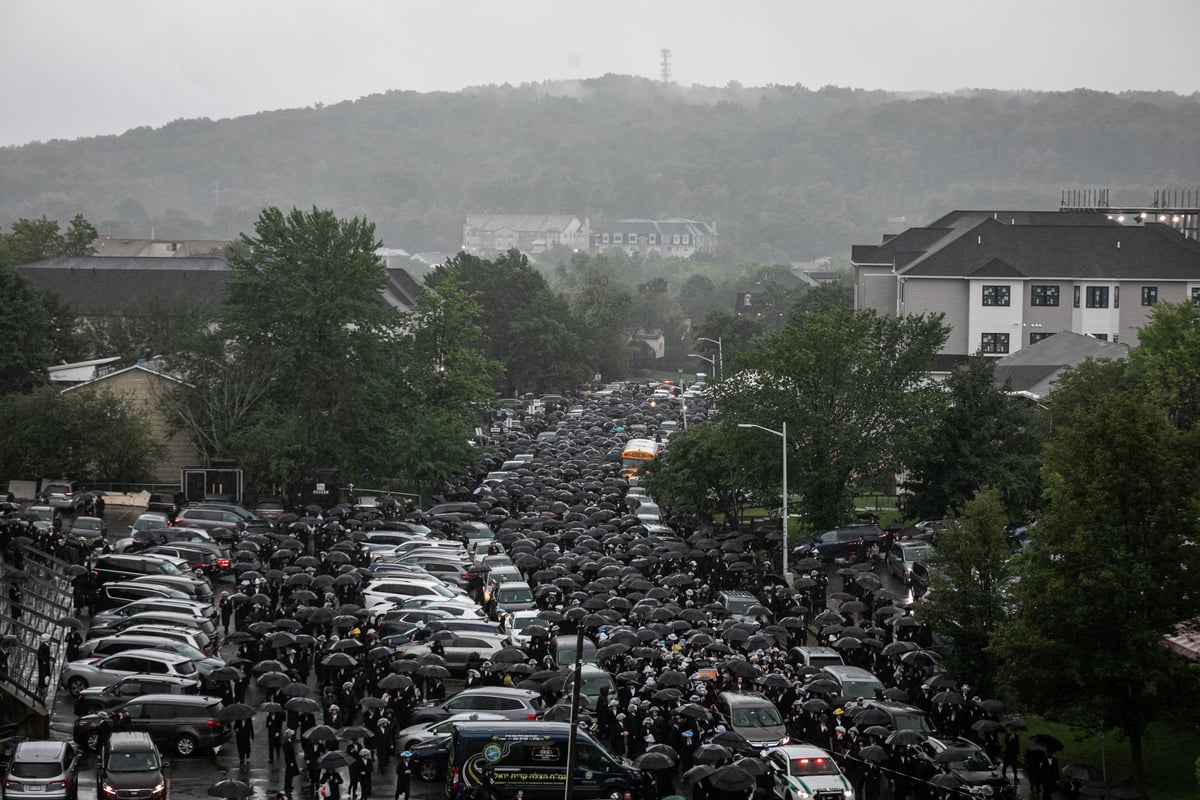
<point>801,772</point>
<point>422,733</point>
<point>521,621</point>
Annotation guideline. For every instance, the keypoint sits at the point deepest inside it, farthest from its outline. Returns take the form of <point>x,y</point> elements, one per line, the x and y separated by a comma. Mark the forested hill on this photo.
<point>780,169</point>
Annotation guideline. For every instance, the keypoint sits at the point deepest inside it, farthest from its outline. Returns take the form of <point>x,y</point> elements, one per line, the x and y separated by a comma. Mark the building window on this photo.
<point>654,238</point>
<point>1116,297</point>
<point>617,238</point>
<point>1101,336</point>
<point>1149,295</point>
<point>994,343</point>
<point>1043,296</point>
<point>685,239</point>
<point>1034,338</point>
<point>1196,298</point>
<point>1077,297</point>
<point>604,238</point>
<point>1097,297</point>
<point>996,295</point>
<point>746,300</point>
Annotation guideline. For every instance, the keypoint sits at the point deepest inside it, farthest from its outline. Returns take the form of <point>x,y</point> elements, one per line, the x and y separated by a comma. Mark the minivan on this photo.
<point>131,766</point>
<point>753,716</point>
<point>855,681</point>
<point>532,758</point>
<point>817,656</point>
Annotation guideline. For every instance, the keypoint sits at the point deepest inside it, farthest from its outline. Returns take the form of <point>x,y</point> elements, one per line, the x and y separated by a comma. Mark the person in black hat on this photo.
<point>43,663</point>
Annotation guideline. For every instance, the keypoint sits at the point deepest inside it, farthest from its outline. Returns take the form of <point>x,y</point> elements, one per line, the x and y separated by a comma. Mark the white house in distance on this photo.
<point>1007,279</point>
<point>670,238</point>
<point>488,235</point>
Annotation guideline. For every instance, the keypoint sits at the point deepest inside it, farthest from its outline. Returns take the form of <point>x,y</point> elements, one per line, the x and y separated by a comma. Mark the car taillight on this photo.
<point>454,782</point>
<point>213,723</point>
<point>531,716</point>
<point>224,562</point>
<point>58,784</point>
<point>17,784</point>
<point>466,576</point>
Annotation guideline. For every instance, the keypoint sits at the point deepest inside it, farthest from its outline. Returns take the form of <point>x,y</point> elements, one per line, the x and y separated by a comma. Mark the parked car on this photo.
<point>514,596</point>
<point>902,555</point>
<point>209,559</point>
<point>100,698</point>
<point>122,567</point>
<point>104,619</point>
<point>211,520</point>
<point>754,717</point>
<point>513,704</point>
<point>123,643</point>
<point>131,767</point>
<point>79,675</point>
<point>64,494</point>
<point>148,521</point>
<point>425,732</point>
<point>430,758</point>
<point>184,724</point>
<point>42,770</point>
<point>45,518</point>
<point>195,586</point>
<point>458,648</point>
<point>119,593</point>
<point>269,508</point>
<point>87,532</point>
<point>193,637</point>
<point>170,618</point>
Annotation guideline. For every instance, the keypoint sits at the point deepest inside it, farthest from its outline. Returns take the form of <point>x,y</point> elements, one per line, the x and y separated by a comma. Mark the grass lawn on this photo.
<point>1168,756</point>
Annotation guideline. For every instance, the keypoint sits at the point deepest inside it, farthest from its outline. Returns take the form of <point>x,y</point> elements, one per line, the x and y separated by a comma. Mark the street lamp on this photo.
<point>712,362</point>
<point>783,435</point>
<point>720,355</point>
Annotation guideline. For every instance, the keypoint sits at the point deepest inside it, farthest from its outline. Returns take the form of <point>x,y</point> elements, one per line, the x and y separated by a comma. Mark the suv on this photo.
<point>87,532</point>
<point>123,567</point>
<point>42,770</point>
<point>754,717</point>
<point>187,724</point>
<point>101,698</point>
<point>45,518</point>
<point>193,586</point>
<point>119,593</point>
<point>209,519</point>
<point>816,656</point>
<point>514,704</point>
<point>79,675</point>
<point>131,767</point>
<point>804,772</point>
<point>975,768</point>
<point>738,603</point>
<point>64,494</point>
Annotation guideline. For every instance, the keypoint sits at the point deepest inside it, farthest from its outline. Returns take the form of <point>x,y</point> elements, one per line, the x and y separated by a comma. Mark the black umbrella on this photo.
<point>303,705</point>
<point>697,774</point>
<point>231,789</point>
<point>354,732</point>
<point>654,760</point>
<point>946,780</point>
<point>321,733</point>
<point>339,660</point>
<point>1081,772</point>
<point>236,712</point>
<point>874,753</point>
<point>712,754</point>
<point>295,689</point>
<point>227,674</point>
<point>905,737</point>
<point>1043,743</point>
<point>952,754</point>
<point>270,708</point>
<point>334,759</point>
<point>71,622</point>
<point>731,779</point>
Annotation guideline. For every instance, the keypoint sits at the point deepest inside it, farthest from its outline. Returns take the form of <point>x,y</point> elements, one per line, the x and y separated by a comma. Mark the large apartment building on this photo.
<point>1006,279</point>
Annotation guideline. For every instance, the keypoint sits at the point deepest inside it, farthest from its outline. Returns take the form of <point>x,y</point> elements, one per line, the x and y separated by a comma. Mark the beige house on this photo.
<point>488,235</point>
<point>142,385</point>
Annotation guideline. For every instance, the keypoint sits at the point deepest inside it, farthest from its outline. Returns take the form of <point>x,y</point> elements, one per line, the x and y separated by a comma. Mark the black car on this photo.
<point>429,760</point>
<point>131,767</point>
<point>111,567</point>
<point>182,723</point>
<point>119,593</point>
<point>152,537</point>
<point>204,557</point>
<point>849,542</point>
<point>162,503</point>
<point>101,698</point>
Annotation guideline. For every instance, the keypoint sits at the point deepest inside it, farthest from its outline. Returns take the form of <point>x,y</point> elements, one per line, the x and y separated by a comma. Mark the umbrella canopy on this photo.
<point>1043,743</point>
<point>354,732</point>
<point>236,712</point>
<point>230,788</point>
<point>654,760</point>
<point>334,759</point>
<point>905,737</point>
<point>712,754</point>
<point>1081,772</point>
<point>697,774</point>
<point>302,705</point>
<point>874,753</point>
<point>321,733</point>
<point>731,779</point>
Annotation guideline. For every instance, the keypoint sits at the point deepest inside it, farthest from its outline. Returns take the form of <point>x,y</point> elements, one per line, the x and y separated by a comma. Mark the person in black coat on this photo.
<point>43,663</point>
<point>243,731</point>
<point>403,776</point>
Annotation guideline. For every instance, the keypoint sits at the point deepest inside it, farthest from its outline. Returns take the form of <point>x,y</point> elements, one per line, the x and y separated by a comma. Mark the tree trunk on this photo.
<point>1135,752</point>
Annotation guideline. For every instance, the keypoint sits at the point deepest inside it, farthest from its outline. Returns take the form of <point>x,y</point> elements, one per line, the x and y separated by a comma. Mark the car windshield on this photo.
<point>916,553</point>
<point>43,514</point>
<point>521,623</point>
<point>739,605</point>
<point>36,769</point>
<point>812,766</point>
<point>185,668</point>
<point>978,761</point>
<point>169,569</point>
<point>757,717</point>
<point>189,651</point>
<point>514,594</point>
<point>132,762</point>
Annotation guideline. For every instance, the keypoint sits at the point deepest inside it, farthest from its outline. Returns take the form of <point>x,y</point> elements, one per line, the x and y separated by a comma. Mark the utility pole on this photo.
<point>217,193</point>
<point>665,64</point>
<point>573,734</point>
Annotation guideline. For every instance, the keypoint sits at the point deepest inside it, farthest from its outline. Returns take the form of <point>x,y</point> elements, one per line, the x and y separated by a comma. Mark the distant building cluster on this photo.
<point>487,235</point>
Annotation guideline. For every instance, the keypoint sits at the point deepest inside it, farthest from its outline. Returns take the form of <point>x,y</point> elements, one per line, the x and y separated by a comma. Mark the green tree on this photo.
<point>826,297</point>
<point>82,434</point>
<point>1167,362</point>
<point>971,578</point>
<point>27,333</point>
<point>978,437</point>
<point>603,305</point>
<point>695,478</point>
<point>847,384</point>
<point>1112,563</point>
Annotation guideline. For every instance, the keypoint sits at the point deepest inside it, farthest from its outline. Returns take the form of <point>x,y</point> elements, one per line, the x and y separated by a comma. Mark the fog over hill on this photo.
<point>783,171</point>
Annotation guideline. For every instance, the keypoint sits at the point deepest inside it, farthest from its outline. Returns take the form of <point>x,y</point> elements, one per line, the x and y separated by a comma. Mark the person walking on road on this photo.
<point>243,731</point>
<point>43,663</point>
<point>403,776</point>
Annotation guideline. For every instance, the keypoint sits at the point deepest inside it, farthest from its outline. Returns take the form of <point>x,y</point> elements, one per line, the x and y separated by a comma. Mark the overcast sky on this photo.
<point>84,67</point>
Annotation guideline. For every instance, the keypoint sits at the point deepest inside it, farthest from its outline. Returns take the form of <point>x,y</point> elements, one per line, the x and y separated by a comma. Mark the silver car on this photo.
<point>42,770</point>
<point>425,732</point>
<point>79,675</point>
<point>902,555</point>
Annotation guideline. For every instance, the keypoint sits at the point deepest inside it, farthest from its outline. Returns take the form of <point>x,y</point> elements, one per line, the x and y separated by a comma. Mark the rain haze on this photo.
<point>83,69</point>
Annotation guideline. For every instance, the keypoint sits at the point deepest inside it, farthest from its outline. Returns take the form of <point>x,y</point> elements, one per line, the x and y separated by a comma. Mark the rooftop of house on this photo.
<point>1033,370</point>
<point>522,223</point>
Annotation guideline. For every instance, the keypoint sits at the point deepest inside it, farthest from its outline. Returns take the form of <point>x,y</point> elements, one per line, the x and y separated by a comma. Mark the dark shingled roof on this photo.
<point>1035,368</point>
<point>1037,245</point>
<point>104,285</point>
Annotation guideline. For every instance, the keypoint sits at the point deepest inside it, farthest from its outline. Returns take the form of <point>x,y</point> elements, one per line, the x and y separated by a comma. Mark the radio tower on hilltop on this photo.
<point>665,64</point>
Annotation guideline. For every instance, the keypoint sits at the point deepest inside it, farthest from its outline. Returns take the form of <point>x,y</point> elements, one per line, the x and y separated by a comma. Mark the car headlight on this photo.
<point>159,787</point>
<point>107,788</point>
